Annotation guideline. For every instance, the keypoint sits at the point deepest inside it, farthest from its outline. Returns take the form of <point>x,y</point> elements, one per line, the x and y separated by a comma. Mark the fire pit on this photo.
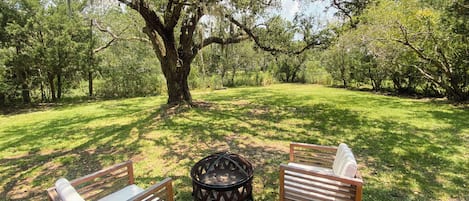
<point>222,177</point>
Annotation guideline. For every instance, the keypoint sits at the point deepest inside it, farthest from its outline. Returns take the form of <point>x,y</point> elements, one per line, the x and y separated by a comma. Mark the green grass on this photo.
<point>406,149</point>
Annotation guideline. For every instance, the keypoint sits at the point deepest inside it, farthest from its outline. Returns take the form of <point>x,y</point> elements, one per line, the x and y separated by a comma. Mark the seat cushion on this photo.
<point>311,168</point>
<point>344,163</point>
<point>123,194</point>
<point>66,191</point>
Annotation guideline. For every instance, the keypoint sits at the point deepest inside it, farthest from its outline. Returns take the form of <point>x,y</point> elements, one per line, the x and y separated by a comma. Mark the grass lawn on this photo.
<point>406,149</point>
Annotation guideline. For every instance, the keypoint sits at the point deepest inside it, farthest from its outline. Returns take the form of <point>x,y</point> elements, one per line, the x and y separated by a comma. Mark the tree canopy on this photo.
<point>122,48</point>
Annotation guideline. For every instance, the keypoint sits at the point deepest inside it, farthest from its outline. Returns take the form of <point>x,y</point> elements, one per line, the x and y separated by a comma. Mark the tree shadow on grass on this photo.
<point>244,129</point>
<point>24,176</point>
<point>265,159</point>
<point>399,160</point>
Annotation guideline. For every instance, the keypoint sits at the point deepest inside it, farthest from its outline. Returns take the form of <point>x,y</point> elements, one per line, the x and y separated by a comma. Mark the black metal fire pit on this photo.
<point>222,177</point>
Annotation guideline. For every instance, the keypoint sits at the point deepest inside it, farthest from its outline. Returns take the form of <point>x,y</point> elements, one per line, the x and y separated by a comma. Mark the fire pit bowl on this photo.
<point>222,177</point>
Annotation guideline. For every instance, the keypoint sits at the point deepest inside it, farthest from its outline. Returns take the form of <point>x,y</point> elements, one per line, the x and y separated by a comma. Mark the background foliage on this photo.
<point>417,48</point>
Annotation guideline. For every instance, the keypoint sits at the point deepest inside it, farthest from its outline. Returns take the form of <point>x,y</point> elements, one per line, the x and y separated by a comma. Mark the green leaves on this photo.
<point>413,42</point>
<point>48,44</point>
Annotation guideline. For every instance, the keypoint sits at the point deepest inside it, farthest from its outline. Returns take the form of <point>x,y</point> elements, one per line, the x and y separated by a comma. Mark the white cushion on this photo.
<point>344,163</point>
<point>339,155</point>
<point>312,168</point>
<point>340,151</point>
<point>66,191</point>
<point>123,194</point>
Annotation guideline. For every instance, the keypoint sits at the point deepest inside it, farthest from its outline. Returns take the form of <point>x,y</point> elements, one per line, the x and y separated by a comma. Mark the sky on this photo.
<point>318,9</point>
<point>291,7</point>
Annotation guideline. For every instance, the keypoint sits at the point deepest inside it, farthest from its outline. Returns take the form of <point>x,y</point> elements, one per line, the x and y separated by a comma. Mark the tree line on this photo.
<point>414,47</point>
<point>49,49</point>
<point>56,49</point>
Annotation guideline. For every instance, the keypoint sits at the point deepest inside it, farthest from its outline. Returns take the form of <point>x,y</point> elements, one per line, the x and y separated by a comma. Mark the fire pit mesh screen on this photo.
<point>222,177</point>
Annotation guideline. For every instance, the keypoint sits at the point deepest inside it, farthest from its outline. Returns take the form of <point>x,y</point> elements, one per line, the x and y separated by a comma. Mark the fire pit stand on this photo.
<point>222,177</point>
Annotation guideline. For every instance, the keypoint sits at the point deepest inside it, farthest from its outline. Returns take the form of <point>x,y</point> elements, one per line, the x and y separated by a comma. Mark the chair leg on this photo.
<point>282,184</point>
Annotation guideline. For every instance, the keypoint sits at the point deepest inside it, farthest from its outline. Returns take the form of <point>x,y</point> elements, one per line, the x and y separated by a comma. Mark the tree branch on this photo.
<point>269,48</point>
<point>218,40</point>
<point>427,75</point>
<point>109,43</point>
<point>156,42</point>
<point>420,53</point>
<point>172,13</point>
<point>407,43</point>
<point>114,36</point>
<point>187,33</point>
<point>346,12</point>
<point>308,46</point>
<point>152,19</point>
<point>440,65</point>
<point>251,34</point>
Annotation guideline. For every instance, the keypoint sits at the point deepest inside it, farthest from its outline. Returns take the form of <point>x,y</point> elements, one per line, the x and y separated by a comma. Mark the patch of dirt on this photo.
<point>241,103</point>
<point>259,111</point>
<point>202,104</point>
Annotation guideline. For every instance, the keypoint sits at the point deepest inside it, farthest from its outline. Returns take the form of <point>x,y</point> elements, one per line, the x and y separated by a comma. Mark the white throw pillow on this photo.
<point>66,191</point>
<point>344,164</point>
<point>338,156</point>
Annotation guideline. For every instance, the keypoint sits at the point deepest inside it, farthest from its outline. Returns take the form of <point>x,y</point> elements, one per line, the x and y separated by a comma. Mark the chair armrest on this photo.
<point>299,183</point>
<point>89,187</point>
<point>311,154</point>
<point>313,146</point>
<point>106,171</point>
<point>105,181</point>
<point>52,194</point>
<point>161,189</point>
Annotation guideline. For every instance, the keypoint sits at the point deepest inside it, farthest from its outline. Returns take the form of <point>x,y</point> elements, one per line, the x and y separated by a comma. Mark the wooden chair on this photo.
<point>113,183</point>
<point>317,172</point>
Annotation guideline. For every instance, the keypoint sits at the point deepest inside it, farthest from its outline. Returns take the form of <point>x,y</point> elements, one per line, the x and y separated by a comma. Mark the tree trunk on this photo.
<point>2,99</point>
<point>222,75</point>
<point>25,88</point>
<point>91,60</point>
<point>176,80</point>
<point>25,93</point>
<point>343,76</point>
<point>232,75</point>
<point>345,80</point>
<point>43,93</point>
<point>293,77</point>
<point>455,92</point>
<point>59,85</point>
<point>50,77</point>
<point>90,83</point>
<point>457,89</point>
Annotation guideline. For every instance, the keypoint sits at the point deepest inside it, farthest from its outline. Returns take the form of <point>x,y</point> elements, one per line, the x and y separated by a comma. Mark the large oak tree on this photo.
<point>173,27</point>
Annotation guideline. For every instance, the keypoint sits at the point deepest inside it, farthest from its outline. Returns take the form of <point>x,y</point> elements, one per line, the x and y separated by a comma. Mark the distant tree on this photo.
<point>443,50</point>
<point>44,45</point>
<point>413,43</point>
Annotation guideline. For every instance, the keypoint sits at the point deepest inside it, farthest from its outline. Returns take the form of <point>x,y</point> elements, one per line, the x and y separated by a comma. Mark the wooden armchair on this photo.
<point>317,172</point>
<point>113,183</point>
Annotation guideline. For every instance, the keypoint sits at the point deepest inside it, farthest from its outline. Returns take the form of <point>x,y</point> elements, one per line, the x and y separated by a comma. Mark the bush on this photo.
<point>128,84</point>
<point>315,74</point>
